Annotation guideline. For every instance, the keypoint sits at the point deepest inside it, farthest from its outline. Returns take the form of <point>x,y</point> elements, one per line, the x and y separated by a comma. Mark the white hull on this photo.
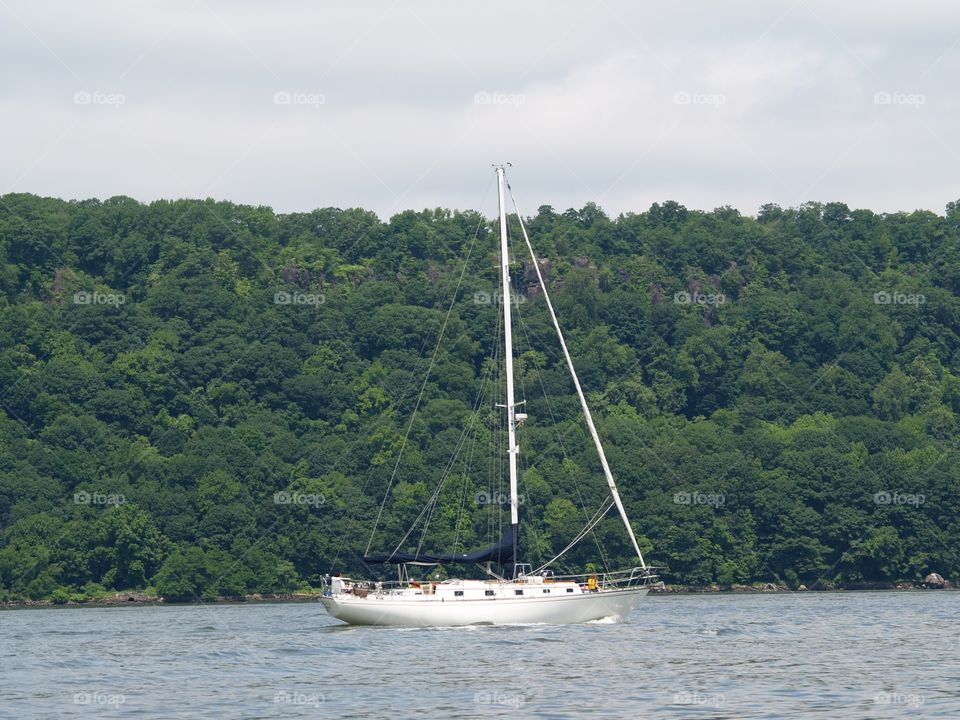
<point>494,611</point>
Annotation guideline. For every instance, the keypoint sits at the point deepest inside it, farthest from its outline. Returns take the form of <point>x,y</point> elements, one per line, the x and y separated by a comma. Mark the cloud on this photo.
<point>406,103</point>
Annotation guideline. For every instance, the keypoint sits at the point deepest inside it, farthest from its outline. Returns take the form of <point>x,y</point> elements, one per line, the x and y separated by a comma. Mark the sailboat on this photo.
<point>518,593</point>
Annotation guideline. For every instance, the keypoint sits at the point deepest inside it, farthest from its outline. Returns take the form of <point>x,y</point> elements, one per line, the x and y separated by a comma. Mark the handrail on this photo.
<point>611,579</point>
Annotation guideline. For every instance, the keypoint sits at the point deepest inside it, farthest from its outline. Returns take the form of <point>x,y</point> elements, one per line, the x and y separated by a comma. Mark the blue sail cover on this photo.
<point>501,552</point>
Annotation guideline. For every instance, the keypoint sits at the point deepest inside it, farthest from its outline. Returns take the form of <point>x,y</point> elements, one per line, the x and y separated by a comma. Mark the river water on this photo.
<point>809,655</point>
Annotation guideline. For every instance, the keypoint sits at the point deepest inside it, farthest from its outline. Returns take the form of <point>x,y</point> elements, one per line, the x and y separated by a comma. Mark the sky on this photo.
<point>397,104</point>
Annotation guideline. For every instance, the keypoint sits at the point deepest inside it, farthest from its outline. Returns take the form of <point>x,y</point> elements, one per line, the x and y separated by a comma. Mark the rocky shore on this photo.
<point>933,581</point>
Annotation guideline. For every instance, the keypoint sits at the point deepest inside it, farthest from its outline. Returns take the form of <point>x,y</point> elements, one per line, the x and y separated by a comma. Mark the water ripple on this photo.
<point>815,655</point>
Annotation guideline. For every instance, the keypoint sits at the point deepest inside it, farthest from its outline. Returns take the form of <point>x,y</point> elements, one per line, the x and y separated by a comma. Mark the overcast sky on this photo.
<point>406,103</point>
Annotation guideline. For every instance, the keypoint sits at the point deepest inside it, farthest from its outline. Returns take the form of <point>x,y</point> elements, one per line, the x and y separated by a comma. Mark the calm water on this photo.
<point>863,655</point>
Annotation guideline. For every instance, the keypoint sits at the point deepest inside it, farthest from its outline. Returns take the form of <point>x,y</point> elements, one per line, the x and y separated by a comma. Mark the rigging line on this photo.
<point>467,464</point>
<point>591,521</point>
<point>495,467</point>
<point>594,521</point>
<point>352,519</point>
<point>430,506</point>
<point>426,376</point>
<point>426,513</point>
<point>380,420</point>
<point>519,316</point>
<point>485,380</point>
<point>503,438</point>
<point>583,400</point>
<point>467,467</point>
<point>462,440</point>
<point>443,478</point>
<point>503,478</point>
<point>521,457</point>
<point>526,498</point>
<point>365,432</point>
<point>563,450</point>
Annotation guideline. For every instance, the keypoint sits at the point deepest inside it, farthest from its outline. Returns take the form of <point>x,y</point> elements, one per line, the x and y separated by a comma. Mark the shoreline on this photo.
<point>764,588</point>
<point>136,598</point>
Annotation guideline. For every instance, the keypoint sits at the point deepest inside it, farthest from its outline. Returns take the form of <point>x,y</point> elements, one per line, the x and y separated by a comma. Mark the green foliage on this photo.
<point>778,395</point>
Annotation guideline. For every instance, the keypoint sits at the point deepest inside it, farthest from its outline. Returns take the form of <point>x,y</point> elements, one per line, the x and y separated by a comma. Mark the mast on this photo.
<point>512,449</point>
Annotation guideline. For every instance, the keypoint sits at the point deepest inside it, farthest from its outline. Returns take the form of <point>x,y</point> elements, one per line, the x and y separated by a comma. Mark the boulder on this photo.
<point>294,275</point>
<point>934,580</point>
<point>802,588</point>
<point>530,272</point>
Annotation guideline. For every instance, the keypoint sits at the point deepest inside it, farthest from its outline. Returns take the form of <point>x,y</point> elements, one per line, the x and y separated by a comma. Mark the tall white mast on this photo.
<point>505,299</point>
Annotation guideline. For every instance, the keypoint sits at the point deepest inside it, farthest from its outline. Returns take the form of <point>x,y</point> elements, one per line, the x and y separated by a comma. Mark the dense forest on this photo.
<point>204,399</point>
